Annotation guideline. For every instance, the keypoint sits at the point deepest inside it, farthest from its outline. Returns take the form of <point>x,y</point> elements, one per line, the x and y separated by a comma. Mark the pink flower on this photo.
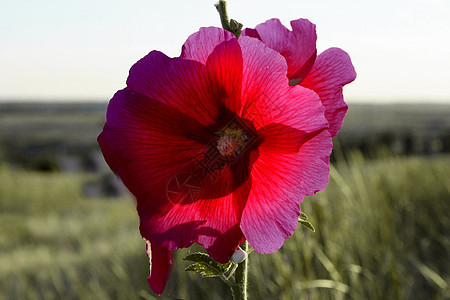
<point>216,147</point>
<point>325,74</point>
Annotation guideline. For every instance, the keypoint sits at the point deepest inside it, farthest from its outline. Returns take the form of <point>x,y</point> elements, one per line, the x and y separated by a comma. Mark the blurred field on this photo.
<point>382,226</point>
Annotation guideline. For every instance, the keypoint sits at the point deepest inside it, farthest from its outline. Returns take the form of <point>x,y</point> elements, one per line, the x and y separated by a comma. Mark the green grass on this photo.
<point>55,244</point>
<point>379,223</point>
<point>382,233</point>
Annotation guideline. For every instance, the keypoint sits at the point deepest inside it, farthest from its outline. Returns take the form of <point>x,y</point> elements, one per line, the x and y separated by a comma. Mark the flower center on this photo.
<point>232,142</point>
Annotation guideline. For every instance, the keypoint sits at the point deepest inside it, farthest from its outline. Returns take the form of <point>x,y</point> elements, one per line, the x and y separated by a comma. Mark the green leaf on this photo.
<point>303,219</point>
<point>205,265</point>
<point>198,257</point>
<point>203,269</point>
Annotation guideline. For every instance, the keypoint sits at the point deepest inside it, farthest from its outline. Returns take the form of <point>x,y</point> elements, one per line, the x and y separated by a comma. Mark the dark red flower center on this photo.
<point>225,166</point>
<point>234,139</point>
<point>232,142</point>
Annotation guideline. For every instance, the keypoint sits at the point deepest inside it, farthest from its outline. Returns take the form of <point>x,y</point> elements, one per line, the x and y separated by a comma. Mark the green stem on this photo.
<point>221,7</point>
<point>230,25</point>
<point>240,288</point>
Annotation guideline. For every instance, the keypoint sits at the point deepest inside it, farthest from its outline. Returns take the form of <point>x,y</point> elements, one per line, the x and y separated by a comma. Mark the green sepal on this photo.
<point>205,265</point>
<point>236,27</point>
<point>303,216</point>
<point>303,219</point>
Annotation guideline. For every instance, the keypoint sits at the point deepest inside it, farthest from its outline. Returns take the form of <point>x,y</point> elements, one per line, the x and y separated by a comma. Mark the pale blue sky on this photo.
<point>69,50</point>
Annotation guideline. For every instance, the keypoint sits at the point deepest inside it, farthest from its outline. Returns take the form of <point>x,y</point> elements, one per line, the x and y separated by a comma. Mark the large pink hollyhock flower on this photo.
<point>325,74</point>
<point>216,147</point>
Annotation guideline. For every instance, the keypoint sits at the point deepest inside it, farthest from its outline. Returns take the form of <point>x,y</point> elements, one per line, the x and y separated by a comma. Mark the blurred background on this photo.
<point>69,229</point>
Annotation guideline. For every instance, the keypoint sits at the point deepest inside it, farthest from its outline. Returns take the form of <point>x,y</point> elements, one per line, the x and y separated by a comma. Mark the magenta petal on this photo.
<point>146,143</point>
<point>202,43</point>
<point>266,96</point>
<point>279,185</point>
<point>282,139</point>
<point>212,223</point>
<point>332,70</point>
<point>251,33</point>
<point>280,180</point>
<point>225,67</point>
<point>211,216</point>
<point>183,84</point>
<point>160,260</point>
<point>264,80</point>
<point>297,46</point>
<point>114,159</point>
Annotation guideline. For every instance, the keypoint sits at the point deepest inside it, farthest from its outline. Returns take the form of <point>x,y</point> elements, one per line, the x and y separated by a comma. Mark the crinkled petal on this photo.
<point>332,70</point>
<point>292,120</point>
<point>146,143</point>
<point>201,44</point>
<point>266,96</point>
<point>298,46</point>
<point>298,169</point>
<point>279,185</point>
<point>160,260</point>
<point>251,33</point>
<point>183,84</point>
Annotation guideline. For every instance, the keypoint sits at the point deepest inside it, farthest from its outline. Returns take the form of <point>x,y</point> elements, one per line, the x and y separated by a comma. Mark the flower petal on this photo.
<point>201,44</point>
<point>160,260</point>
<point>114,159</point>
<point>263,75</point>
<point>209,211</point>
<point>149,144</point>
<point>298,46</point>
<point>212,223</point>
<point>266,96</point>
<point>224,65</point>
<point>279,185</point>
<point>332,70</point>
<point>251,33</point>
<point>290,119</point>
<point>282,139</point>
<point>183,84</point>
<point>146,143</point>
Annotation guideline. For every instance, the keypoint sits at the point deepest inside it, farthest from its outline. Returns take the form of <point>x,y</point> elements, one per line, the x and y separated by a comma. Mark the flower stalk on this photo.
<point>239,289</point>
<point>232,26</point>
